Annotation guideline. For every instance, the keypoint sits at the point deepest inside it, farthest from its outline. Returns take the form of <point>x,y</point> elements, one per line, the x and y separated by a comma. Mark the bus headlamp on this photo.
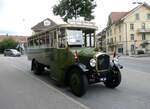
<point>92,62</point>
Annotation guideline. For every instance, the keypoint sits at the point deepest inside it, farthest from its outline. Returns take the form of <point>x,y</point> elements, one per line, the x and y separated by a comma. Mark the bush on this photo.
<point>7,44</point>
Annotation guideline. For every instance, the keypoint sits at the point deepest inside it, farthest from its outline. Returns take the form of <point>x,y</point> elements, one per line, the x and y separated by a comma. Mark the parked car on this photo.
<point>11,52</point>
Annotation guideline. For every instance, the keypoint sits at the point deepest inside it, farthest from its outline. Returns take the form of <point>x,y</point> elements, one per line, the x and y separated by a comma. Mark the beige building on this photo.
<point>129,32</point>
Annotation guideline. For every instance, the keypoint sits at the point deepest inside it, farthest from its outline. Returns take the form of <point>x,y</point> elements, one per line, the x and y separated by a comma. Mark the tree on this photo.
<point>68,9</point>
<point>7,44</point>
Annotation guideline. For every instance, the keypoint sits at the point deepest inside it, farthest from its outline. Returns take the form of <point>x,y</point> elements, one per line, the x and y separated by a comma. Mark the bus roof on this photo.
<point>91,27</point>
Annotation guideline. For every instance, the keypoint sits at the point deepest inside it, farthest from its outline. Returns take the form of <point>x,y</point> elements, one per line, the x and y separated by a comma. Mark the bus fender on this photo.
<point>80,66</point>
<point>115,65</point>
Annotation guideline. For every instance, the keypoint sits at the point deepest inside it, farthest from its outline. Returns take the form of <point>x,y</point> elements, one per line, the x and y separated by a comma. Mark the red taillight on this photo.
<point>76,58</point>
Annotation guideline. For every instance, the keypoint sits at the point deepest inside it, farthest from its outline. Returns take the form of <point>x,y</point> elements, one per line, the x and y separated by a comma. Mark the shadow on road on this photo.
<point>93,90</point>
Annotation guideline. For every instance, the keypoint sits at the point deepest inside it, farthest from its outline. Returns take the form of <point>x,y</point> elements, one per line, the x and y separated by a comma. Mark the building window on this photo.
<point>107,33</point>
<point>132,36</point>
<point>137,16</point>
<point>131,26</point>
<point>148,16</point>
<point>119,38</point>
<point>111,40</point>
<point>114,30</point>
<point>119,28</point>
<point>133,49</point>
<point>110,32</point>
<point>115,40</point>
<point>107,41</point>
<point>143,36</point>
<point>143,25</point>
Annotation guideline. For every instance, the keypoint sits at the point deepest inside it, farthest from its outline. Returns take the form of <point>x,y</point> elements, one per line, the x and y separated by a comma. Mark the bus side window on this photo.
<point>92,40</point>
<point>61,39</point>
<point>47,41</point>
<point>51,39</point>
<point>30,43</point>
<point>87,40</point>
<point>43,42</point>
<point>55,40</point>
<point>40,41</point>
<point>36,42</point>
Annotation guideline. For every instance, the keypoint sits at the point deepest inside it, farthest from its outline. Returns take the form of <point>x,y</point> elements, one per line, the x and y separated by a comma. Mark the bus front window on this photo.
<point>80,38</point>
<point>74,38</point>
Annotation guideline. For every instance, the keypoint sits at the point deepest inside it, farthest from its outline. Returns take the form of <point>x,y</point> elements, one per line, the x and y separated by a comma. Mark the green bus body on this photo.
<point>60,59</point>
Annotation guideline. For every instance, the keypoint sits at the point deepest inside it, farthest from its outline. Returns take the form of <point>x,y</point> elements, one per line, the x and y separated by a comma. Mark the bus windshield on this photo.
<point>74,37</point>
<point>80,38</point>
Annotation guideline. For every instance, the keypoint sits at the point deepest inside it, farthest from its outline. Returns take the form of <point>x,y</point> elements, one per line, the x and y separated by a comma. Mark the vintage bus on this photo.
<point>69,51</point>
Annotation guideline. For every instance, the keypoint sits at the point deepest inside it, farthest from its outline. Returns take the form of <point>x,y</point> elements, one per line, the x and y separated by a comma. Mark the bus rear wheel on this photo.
<point>78,82</point>
<point>37,68</point>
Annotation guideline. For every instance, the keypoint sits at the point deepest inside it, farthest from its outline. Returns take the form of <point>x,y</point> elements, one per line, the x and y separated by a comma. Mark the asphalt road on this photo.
<point>133,92</point>
<point>141,64</point>
<point>20,89</point>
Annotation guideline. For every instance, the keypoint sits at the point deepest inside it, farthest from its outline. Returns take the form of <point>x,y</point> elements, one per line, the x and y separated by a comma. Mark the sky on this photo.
<point>18,16</point>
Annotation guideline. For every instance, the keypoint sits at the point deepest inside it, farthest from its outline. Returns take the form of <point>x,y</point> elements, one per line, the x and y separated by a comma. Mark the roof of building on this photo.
<point>117,16</point>
<point>43,25</point>
<point>114,17</point>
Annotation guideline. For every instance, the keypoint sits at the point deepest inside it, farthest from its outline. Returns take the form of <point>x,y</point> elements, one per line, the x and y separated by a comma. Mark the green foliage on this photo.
<point>68,9</point>
<point>7,44</point>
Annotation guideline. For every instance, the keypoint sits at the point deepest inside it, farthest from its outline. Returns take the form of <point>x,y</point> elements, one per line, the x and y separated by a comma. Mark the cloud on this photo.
<point>32,11</point>
<point>12,13</point>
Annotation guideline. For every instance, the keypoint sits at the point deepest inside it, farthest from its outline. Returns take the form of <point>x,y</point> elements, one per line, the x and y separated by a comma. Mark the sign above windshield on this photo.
<point>80,22</point>
<point>74,37</point>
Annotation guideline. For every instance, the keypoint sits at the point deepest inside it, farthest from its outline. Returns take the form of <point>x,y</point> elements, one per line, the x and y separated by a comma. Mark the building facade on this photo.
<point>101,40</point>
<point>129,32</point>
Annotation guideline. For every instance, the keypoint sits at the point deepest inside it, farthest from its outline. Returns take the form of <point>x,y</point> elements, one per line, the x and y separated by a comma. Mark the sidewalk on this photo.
<point>136,57</point>
<point>140,55</point>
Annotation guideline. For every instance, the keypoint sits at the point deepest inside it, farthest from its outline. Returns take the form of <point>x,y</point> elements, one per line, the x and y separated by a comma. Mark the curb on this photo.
<point>141,55</point>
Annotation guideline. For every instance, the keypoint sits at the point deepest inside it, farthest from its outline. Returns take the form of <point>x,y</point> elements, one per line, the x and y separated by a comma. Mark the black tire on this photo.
<point>113,78</point>
<point>78,82</point>
<point>37,68</point>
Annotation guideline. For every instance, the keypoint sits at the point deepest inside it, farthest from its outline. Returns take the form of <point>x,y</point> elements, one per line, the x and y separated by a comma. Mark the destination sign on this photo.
<point>81,22</point>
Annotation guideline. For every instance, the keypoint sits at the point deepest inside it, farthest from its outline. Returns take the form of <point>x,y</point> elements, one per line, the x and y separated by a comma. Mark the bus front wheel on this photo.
<point>113,78</point>
<point>78,82</point>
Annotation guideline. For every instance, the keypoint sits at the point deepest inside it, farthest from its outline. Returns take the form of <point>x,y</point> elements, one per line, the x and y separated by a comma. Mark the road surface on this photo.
<point>19,88</point>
